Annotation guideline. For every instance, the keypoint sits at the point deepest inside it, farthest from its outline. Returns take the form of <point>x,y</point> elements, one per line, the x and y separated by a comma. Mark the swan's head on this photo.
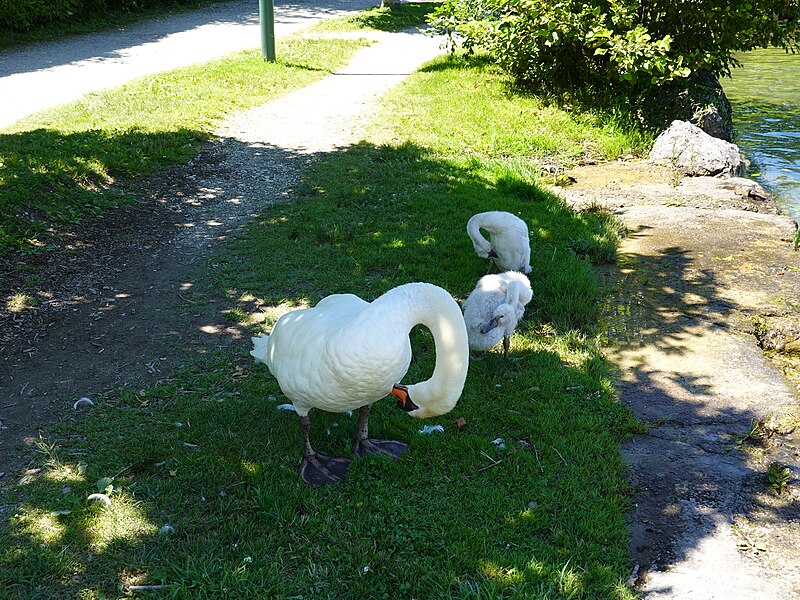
<point>404,402</point>
<point>504,316</point>
<point>519,294</point>
<point>481,246</point>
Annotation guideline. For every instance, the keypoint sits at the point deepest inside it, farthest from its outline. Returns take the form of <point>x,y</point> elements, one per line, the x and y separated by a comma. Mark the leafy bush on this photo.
<point>582,47</point>
<point>22,15</point>
<point>27,15</point>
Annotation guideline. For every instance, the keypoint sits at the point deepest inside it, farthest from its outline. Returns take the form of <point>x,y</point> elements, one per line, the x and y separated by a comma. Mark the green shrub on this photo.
<point>27,15</point>
<point>582,47</point>
<point>22,15</point>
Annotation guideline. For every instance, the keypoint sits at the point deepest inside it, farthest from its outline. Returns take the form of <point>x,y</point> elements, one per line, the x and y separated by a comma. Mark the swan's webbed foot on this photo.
<point>316,468</point>
<point>367,445</point>
<point>319,469</point>
<point>390,448</point>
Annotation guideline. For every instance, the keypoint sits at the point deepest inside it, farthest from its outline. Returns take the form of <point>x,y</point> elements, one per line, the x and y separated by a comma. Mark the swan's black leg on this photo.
<point>316,468</point>
<point>492,261</point>
<point>365,445</point>
<point>506,346</point>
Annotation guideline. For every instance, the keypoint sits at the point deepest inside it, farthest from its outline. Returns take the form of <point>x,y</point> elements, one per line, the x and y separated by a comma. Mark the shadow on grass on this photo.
<point>475,61</point>
<point>399,17</point>
<point>206,451</point>
<point>49,179</point>
<point>701,385</point>
<point>216,460</point>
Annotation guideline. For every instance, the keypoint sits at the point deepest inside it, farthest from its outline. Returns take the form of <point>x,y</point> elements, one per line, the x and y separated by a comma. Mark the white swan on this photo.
<point>509,245</point>
<point>346,353</point>
<point>494,307</point>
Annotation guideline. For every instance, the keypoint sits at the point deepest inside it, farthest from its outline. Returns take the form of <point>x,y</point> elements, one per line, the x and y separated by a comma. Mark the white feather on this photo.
<point>509,239</point>
<point>102,497</point>
<point>82,401</point>
<point>498,299</point>
<point>428,429</point>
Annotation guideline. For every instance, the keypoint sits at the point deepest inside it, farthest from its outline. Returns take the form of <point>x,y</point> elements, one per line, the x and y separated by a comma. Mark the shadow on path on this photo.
<point>120,302</point>
<point>702,499</point>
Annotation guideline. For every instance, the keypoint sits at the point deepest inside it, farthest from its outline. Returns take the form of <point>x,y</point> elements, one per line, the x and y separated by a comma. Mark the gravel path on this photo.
<point>41,76</point>
<point>263,150</point>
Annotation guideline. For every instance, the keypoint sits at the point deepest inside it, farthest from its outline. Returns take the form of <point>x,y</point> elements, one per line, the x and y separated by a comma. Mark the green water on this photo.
<point>765,94</point>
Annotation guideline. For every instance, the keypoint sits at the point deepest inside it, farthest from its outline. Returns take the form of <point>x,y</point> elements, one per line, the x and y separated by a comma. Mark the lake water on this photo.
<point>765,95</point>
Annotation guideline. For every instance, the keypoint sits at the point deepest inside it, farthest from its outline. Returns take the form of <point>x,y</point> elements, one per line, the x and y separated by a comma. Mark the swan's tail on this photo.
<point>260,348</point>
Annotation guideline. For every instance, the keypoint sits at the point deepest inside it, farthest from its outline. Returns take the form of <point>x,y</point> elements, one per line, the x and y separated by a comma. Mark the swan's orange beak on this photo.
<point>403,399</point>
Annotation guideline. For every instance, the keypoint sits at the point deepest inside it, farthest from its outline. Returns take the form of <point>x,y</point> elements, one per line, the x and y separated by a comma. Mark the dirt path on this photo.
<point>691,279</point>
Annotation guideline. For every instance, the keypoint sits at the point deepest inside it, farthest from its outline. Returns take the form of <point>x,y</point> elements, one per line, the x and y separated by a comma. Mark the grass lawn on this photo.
<point>528,501</point>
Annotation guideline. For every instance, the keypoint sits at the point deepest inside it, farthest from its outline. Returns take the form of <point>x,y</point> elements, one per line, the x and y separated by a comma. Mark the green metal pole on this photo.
<point>266,14</point>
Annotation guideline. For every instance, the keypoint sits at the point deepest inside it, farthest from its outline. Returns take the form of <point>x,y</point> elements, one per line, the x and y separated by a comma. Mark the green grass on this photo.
<point>475,112</point>
<point>82,158</point>
<point>208,454</point>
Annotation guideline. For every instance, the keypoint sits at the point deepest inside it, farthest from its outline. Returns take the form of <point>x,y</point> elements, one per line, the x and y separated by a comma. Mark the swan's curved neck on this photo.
<point>474,231</point>
<point>513,293</point>
<point>431,306</point>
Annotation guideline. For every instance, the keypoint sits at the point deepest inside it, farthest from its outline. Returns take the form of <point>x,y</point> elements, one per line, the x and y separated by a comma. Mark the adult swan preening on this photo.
<point>346,353</point>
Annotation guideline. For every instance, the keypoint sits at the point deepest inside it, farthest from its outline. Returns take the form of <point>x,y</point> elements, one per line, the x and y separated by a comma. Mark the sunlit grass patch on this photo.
<point>41,526</point>
<point>19,302</point>
<point>397,18</point>
<point>122,521</point>
<point>515,128</point>
<point>267,314</point>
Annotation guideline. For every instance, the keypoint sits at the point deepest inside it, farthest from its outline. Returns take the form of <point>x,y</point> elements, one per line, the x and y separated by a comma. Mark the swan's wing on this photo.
<point>298,346</point>
<point>326,357</point>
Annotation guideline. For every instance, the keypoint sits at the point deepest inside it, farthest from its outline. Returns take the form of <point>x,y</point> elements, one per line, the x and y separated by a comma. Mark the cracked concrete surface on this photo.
<point>705,524</point>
